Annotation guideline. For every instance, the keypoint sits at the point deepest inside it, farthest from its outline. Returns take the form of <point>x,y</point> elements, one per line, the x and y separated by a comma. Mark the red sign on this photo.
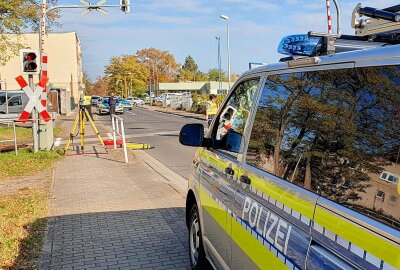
<point>34,99</point>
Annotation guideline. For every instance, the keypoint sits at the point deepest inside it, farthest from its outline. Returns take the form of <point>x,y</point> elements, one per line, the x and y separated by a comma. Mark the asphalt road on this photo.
<point>162,131</point>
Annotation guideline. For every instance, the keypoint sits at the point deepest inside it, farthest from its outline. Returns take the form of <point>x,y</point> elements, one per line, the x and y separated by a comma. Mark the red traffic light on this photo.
<point>30,63</point>
<point>30,56</point>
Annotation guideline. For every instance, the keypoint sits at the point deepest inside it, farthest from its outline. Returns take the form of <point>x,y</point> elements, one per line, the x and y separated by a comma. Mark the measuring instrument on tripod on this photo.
<point>80,121</point>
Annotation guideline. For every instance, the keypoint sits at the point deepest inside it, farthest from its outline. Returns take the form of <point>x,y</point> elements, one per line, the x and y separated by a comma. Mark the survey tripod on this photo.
<point>80,120</point>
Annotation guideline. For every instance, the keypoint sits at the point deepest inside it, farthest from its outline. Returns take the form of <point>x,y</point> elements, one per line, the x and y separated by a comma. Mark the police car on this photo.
<point>300,167</point>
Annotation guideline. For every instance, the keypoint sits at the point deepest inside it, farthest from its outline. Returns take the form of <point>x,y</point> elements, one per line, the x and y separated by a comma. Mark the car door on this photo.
<point>15,104</point>
<point>273,210</point>
<point>219,165</point>
<point>357,218</point>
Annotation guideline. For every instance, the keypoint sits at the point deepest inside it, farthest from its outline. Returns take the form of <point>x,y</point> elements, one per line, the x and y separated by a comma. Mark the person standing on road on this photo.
<point>112,101</point>
<point>211,109</point>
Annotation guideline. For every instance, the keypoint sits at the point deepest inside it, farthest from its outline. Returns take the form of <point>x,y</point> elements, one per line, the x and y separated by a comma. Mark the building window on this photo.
<point>388,177</point>
<point>380,194</point>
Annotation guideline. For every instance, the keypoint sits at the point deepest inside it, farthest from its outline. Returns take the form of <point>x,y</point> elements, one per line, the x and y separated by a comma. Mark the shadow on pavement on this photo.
<point>154,239</point>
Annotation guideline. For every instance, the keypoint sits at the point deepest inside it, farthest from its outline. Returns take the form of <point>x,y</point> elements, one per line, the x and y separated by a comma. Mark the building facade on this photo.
<point>202,88</point>
<point>64,62</point>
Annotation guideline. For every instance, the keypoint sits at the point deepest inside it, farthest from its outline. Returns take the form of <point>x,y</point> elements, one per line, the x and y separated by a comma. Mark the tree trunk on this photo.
<point>307,177</point>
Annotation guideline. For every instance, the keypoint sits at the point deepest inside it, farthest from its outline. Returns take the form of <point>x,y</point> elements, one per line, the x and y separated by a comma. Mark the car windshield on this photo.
<point>2,100</point>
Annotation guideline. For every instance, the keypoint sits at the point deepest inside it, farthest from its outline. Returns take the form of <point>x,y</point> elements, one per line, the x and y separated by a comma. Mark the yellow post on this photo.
<point>72,132</point>
<point>82,132</point>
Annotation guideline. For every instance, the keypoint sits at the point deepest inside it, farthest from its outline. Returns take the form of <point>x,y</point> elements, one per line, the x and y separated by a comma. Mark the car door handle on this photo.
<point>229,171</point>
<point>245,179</point>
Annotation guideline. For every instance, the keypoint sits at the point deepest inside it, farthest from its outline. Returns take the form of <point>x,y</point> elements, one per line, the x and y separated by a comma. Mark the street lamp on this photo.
<point>226,18</point>
<point>219,62</point>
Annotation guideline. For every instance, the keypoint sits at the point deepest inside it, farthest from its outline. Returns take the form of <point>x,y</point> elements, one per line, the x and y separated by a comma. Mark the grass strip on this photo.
<point>23,217</point>
<point>27,162</point>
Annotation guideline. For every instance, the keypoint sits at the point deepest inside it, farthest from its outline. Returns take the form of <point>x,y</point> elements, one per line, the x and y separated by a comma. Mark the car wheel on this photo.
<point>196,250</point>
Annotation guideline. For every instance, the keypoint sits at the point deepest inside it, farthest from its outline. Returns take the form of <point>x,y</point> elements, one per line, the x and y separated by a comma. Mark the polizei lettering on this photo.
<point>273,228</point>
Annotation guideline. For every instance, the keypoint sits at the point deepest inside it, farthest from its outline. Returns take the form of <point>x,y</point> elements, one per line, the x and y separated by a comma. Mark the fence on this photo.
<point>181,102</point>
<point>118,128</point>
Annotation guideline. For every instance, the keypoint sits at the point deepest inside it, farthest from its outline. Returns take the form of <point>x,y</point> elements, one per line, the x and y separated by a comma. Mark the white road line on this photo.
<point>109,135</point>
<point>57,142</point>
<point>132,113</point>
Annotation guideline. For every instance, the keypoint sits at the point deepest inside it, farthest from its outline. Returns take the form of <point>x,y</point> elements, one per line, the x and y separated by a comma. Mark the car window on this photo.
<point>233,117</point>
<point>336,133</point>
<point>15,101</point>
<point>2,100</point>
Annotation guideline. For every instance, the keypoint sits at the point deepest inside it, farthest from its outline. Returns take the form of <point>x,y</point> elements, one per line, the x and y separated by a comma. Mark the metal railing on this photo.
<point>118,128</point>
<point>8,122</point>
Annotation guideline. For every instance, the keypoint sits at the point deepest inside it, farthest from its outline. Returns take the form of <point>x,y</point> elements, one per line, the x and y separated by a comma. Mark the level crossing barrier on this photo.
<point>118,129</point>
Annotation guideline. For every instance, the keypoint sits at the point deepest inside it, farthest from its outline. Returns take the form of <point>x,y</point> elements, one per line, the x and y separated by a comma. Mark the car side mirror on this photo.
<point>233,140</point>
<point>192,135</point>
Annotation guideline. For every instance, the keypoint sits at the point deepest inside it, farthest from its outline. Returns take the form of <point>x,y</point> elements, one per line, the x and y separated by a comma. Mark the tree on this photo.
<point>189,70</point>
<point>127,75</point>
<point>15,17</point>
<point>162,64</point>
<point>88,84</point>
<point>213,75</point>
<point>201,76</point>
<point>101,86</point>
<point>190,65</point>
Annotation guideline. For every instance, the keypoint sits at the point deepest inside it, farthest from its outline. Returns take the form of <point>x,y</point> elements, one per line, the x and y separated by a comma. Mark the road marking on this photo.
<point>57,142</point>
<point>132,113</point>
<point>109,135</point>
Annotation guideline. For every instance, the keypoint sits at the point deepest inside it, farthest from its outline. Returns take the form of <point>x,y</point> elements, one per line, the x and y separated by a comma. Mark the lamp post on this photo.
<point>226,18</point>
<point>219,62</point>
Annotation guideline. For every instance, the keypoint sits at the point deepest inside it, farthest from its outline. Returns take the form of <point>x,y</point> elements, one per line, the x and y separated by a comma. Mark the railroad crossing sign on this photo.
<point>34,99</point>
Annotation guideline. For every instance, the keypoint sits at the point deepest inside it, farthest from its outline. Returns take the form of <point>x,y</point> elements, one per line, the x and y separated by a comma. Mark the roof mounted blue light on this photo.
<point>300,45</point>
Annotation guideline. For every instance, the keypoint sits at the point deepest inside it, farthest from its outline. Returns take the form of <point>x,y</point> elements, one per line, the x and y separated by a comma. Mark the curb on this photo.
<point>175,113</point>
<point>173,179</point>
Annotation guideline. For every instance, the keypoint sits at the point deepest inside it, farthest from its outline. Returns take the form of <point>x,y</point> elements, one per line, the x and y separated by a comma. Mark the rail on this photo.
<point>118,129</point>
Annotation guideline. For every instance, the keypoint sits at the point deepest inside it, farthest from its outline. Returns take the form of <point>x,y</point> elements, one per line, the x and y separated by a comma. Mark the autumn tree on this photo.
<point>162,64</point>
<point>100,87</point>
<point>127,75</point>
<point>15,17</point>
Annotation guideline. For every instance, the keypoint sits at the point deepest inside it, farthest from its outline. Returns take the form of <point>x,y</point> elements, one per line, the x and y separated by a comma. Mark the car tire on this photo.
<point>197,255</point>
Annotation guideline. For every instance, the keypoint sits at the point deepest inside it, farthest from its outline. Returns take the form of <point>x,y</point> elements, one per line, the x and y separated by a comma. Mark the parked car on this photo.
<point>104,107</point>
<point>125,103</point>
<point>98,101</point>
<point>94,100</point>
<point>17,101</point>
<point>136,101</point>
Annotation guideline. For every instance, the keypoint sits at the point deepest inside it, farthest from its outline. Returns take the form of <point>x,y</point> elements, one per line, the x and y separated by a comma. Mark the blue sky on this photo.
<point>189,27</point>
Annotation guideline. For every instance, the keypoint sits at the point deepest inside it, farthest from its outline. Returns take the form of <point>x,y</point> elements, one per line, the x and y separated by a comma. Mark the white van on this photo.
<point>16,101</point>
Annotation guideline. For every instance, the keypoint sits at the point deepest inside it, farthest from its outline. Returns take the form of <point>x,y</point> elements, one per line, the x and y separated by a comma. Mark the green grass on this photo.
<point>23,218</point>
<point>23,134</point>
<point>27,162</point>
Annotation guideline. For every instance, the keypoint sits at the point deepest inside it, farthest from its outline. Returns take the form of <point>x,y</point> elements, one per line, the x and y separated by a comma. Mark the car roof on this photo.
<point>391,52</point>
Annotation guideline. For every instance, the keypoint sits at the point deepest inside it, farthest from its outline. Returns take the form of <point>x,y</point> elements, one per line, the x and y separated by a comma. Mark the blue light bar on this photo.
<point>300,45</point>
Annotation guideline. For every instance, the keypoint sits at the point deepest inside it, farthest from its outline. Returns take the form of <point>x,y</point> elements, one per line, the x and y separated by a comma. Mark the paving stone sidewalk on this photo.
<point>106,214</point>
